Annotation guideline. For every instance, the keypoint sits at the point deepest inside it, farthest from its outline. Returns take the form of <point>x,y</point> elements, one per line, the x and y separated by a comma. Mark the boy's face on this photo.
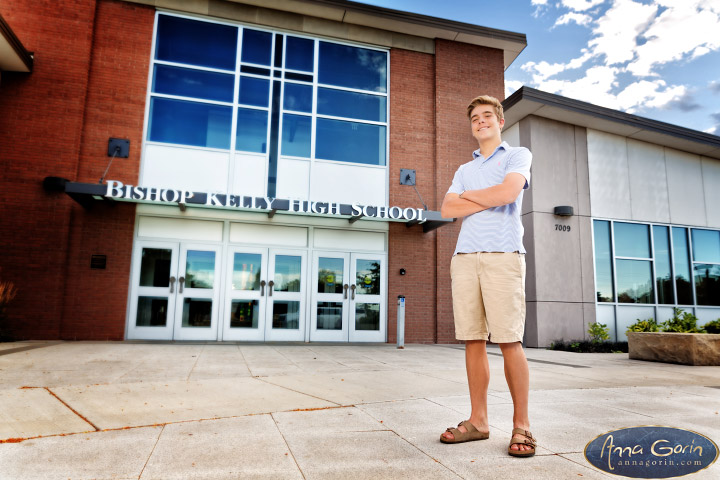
<point>485,124</point>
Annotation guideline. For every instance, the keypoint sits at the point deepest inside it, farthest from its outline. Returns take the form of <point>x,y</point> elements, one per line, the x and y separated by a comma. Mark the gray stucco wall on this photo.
<point>560,276</point>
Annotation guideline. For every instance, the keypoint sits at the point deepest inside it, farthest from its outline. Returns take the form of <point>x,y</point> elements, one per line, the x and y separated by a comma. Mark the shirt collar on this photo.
<point>477,154</point>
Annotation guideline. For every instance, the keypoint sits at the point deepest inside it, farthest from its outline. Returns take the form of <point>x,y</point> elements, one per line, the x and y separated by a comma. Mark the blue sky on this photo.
<point>659,59</point>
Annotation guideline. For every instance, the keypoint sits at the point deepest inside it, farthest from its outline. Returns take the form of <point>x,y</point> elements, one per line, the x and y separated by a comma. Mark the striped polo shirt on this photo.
<point>497,229</point>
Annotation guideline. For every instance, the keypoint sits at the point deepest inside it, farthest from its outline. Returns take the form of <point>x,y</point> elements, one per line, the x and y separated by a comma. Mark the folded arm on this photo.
<point>474,201</point>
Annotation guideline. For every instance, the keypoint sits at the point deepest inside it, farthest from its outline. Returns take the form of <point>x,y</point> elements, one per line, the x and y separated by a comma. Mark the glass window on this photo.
<point>246,271</point>
<point>367,278</point>
<point>256,47</point>
<point>341,103</point>
<point>681,265</point>
<point>244,314</point>
<point>200,269</point>
<point>706,245</point>
<point>300,54</point>
<point>197,313</point>
<point>287,273</point>
<point>187,82</point>
<point>296,135</point>
<point>663,274</point>
<point>194,42</point>
<point>707,284</point>
<point>330,275</point>
<point>151,312</point>
<point>350,142</point>
<point>189,123</point>
<point>286,315</point>
<point>632,240</point>
<point>352,67</point>
<point>252,128</point>
<point>254,91</point>
<point>634,281</point>
<point>603,262</point>
<point>298,97</point>
<point>367,316</point>
<point>329,315</point>
<point>155,267</point>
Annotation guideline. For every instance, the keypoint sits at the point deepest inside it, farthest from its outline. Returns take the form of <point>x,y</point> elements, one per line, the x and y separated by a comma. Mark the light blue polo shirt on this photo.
<point>497,229</point>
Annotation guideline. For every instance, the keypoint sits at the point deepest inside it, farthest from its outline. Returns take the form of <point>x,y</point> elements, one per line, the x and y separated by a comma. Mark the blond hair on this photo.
<point>486,100</point>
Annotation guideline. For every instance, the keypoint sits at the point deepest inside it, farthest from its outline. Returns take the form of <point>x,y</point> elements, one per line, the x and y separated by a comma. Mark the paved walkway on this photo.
<point>91,410</point>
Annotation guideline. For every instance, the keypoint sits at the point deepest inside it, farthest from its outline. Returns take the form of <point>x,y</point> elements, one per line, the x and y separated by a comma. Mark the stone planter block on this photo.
<point>684,348</point>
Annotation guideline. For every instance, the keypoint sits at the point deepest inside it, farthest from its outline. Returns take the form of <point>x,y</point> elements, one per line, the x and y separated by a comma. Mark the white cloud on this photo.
<point>579,18</point>
<point>581,5</point>
<point>649,94</point>
<point>617,31</point>
<point>538,2</point>
<point>511,86</point>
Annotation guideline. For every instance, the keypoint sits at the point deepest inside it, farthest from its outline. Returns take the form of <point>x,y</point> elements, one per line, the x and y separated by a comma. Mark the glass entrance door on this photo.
<point>265,298</point>
<point>174,292</point>
<point>348,299</point>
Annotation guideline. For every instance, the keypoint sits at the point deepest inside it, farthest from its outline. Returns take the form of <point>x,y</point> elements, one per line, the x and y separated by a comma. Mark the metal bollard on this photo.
<point>401,322</point>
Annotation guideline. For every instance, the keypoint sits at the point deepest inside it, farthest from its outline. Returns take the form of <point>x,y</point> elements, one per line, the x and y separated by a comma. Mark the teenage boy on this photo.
<point>488,272</point>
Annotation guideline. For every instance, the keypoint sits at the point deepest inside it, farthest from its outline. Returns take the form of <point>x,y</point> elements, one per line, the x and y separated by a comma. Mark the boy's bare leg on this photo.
<point>517,375</point>
<point>478,372</point>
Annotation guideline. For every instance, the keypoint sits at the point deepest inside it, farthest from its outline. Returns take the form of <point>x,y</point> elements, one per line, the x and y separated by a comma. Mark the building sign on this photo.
<point>118,191</point>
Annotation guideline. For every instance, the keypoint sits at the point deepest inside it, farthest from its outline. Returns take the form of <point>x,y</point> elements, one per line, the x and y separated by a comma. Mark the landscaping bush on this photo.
<point>682,322</point>
<point>649,325</point>
<point>588,346</point>
<point>712,327</point>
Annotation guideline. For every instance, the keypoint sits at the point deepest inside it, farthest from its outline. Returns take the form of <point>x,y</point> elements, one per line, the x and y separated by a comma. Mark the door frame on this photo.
<point>320,335</point>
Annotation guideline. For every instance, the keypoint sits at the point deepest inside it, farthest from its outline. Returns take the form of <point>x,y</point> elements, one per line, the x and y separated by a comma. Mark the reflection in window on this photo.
<point>244,314</point>
<point>706,245</point>
<point>287,273</point>
<point>681,254</point>
<point>300,54</point>
<point>194,42</point>
<point>155,267</point>
<point>200,269</point>
<point>188,82</point>
<point>189,123</point>
<point>254,91</point>
<point>298,98</point>
<point>350,142</point>
<point>296,135</point>
<point>352,67</point>
<point>663,273</point>
<point>151,312</point>
<point>367,278</point>
<point>197,312</point>
<point>367,316</point>
<point>246,271</point>
<point>603,262</point>
<point>707,284</point>
<point>256,47</point>
<point>330,275</point>
<point>329,315</point>
<point>252,130</point>
<point>634,281</point>
<point>632,240</point>
<point>286,315</point>
<point>340,103</point>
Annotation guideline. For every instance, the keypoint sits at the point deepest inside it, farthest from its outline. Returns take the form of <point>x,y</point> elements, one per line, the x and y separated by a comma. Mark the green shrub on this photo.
<point>712,327</point>
<point>649,325</point>
<point>598,332</point>
<point>682,322</point>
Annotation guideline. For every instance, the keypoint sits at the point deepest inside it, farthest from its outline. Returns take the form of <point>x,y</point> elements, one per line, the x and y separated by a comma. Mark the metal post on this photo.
<point>401,322</point>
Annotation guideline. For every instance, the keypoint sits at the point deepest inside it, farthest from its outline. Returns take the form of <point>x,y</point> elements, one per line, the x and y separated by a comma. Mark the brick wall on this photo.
<point>429,132</point>
<point>56,122</point>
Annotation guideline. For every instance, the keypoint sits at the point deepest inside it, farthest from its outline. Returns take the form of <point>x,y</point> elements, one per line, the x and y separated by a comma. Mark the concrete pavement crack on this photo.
<point>151,453</point>
<point>72,409</point>
<point>287,445</point>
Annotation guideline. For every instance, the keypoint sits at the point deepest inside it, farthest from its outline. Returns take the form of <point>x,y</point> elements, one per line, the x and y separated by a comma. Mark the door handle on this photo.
<point>270,288</point>
<point>262,288</point>
<point>172,284</point>
<point>181,281</point>
<point>345,287</point>
<point>352,288</point>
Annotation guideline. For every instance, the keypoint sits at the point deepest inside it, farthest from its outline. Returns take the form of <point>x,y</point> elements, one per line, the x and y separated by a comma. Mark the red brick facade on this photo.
<point>91,86</point>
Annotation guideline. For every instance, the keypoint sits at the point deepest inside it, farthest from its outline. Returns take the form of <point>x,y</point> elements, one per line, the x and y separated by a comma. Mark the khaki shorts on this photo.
<point>488,291</point>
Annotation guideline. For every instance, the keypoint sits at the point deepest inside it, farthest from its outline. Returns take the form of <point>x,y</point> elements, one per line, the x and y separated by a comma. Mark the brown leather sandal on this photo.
<point>471,435</point>
<point>529,441</point>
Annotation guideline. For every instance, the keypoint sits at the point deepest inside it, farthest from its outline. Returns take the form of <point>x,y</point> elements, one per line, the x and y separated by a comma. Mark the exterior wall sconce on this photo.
<point>563,211</point>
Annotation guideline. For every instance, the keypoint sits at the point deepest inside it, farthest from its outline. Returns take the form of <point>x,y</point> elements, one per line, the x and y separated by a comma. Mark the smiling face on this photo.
<point>485,124</point>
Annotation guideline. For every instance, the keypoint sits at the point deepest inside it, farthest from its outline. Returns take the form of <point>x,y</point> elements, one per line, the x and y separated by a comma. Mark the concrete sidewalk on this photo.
<point>86,410</point>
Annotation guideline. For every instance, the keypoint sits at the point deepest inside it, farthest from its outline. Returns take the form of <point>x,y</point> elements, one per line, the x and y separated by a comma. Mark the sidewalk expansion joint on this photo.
<point>72,409</point>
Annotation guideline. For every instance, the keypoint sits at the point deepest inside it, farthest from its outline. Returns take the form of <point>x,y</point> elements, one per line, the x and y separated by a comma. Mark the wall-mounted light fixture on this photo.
<point>563,211</point>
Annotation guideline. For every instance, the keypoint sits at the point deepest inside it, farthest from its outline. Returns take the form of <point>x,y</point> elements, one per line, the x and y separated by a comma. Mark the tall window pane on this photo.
<point>254,91</point>
<point>681,254</point>
<point>189,123</point>
<point>300,54</point>
<point>352,67</point>
<point>663,273</point>
<point>603,262</point>
<point>634,281</point>
<point>296,135</point>
<point>298,98</point>
<point>632,240</point>
<point>252,128</point>
<point>707,284</point>
<point>256,47</point>
<point>706,245</point>
<point>350,142</point>
<point>193,42</point>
